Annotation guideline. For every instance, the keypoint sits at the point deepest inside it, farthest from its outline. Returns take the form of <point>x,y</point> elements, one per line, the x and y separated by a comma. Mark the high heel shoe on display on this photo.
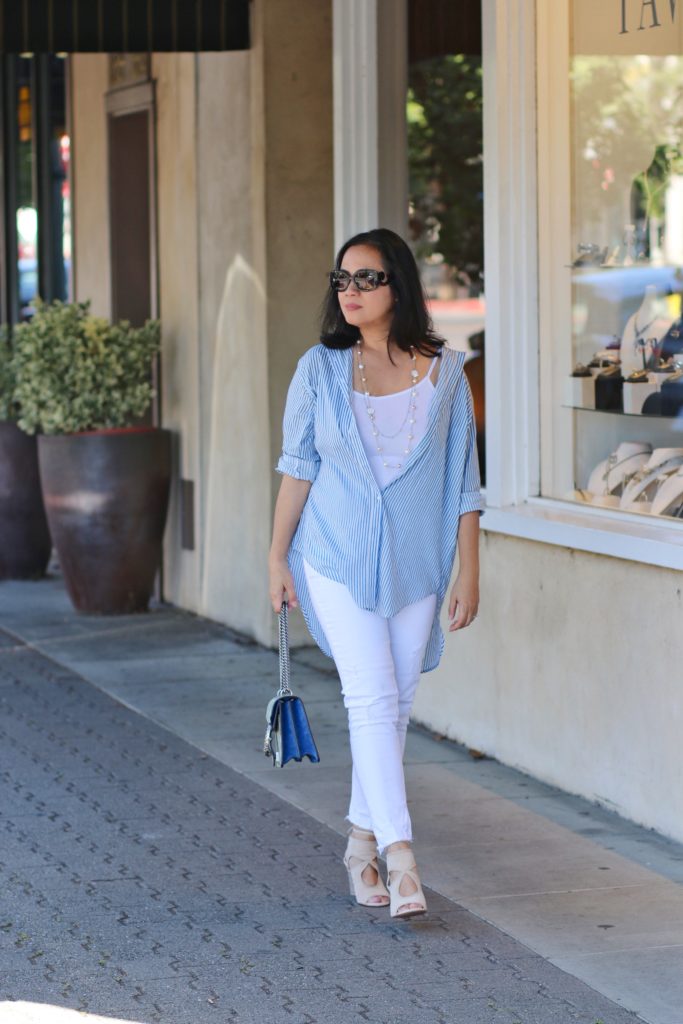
<point>401,865</point>
<point>361,853</point>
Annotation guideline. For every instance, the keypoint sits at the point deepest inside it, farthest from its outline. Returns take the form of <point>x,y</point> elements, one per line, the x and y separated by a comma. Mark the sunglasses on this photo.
<point>366,280</point>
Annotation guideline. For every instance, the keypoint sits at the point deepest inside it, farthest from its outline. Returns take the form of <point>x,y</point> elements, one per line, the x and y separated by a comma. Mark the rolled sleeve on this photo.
<point>299,457</point>
<point>471,499</point>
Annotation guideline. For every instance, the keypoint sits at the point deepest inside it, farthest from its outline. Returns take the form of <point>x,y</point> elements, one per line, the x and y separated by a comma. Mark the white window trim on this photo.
<point>370,81</point>
<point>566,525</point>
<point>355,106</point>
<point>526,169</point>
<point>511,249</point>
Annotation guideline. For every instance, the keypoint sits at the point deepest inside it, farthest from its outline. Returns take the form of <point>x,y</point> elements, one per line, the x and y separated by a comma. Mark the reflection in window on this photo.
<point>26,211</point>
<point>57,170</point>
<point>38,172</point>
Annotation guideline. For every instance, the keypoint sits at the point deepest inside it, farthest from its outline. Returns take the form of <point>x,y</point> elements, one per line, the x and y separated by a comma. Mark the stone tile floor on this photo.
<point>154,867</point>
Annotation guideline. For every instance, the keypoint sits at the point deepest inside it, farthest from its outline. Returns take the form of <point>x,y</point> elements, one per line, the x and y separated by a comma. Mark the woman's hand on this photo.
<point>281,584</point>
<point>464,602</point>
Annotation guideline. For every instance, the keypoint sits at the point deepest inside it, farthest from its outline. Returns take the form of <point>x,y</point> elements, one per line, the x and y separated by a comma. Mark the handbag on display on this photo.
<point>672,342</point>
<point>288,733</point>
<point>672,394</point>
<point>609,390</point>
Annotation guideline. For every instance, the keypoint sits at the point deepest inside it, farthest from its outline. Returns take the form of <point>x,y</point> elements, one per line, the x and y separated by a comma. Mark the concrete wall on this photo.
<point>245,235</point>
<point>571,673</point>
<point>265,227</point>
<point>89,82</point>
<point>262,204</point>
<point>234,495</point>
<point>179,299</point>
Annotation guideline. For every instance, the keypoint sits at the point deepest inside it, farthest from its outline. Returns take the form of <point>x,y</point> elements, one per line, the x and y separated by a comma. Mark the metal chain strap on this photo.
<point>284,652</point>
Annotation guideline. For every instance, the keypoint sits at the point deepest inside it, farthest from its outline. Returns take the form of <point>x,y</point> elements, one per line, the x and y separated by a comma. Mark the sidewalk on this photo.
<point>158,868</point>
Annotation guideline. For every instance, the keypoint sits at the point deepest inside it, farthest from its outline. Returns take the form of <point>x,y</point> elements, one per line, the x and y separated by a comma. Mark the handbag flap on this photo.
<point>295,732</point>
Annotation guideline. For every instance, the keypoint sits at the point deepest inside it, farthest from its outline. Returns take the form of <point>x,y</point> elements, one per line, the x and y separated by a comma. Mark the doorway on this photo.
<point>132,212</point>
<point>446,177</point>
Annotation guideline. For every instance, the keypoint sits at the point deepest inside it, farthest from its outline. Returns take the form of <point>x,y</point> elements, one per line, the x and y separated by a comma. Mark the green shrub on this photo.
<point>75,371</point>
<point>8,408</point>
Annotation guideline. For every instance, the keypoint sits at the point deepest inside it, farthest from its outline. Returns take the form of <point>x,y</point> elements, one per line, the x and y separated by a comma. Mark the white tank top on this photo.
<point>390,412</point>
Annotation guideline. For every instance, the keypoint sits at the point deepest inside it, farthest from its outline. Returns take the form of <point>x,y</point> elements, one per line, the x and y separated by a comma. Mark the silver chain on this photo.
<point>284,690</point>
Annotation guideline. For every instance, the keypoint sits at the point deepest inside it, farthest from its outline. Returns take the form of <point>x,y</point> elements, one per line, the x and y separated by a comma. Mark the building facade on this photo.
<point>256,164</point>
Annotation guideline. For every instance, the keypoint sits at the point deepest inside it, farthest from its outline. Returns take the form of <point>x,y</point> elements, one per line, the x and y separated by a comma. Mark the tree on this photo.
<point>446,163</point>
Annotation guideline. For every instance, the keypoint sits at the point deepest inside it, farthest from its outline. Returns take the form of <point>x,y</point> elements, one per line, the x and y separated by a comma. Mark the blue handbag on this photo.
<point>288,733</point>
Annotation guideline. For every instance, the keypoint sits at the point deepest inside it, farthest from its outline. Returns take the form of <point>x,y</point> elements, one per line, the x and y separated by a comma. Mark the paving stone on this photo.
<point>144,880</point>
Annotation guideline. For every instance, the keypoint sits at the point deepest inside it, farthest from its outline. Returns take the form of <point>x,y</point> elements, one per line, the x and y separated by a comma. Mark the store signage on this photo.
<point>643,14</point>
<point>627,27</point>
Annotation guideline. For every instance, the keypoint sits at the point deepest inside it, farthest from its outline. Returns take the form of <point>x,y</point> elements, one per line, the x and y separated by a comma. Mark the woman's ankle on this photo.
<point>360,832</point>
<point>400,844</point>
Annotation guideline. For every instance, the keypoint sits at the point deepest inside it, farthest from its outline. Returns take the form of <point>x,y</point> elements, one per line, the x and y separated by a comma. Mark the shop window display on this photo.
<point>624,374</point>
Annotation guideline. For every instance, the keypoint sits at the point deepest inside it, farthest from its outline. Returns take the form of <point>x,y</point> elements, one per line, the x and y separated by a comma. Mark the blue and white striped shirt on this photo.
<point>393,545</point>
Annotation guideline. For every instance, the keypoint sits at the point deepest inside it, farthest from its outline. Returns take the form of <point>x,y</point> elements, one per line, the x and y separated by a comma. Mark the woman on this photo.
<point>380,479</point>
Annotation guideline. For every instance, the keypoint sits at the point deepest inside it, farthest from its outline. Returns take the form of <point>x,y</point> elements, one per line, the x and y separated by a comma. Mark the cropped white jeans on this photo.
<point>379,661</point>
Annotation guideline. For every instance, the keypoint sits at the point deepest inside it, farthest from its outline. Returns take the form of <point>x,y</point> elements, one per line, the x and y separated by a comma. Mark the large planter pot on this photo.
<point>106,496</point>
<point>25,543</point>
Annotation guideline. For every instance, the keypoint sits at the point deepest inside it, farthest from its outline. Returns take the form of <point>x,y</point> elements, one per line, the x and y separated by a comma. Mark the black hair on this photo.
<point>411,324</point>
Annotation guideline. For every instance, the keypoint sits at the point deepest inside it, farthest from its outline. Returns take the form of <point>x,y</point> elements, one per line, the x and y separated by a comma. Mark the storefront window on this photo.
<point>623,369</point>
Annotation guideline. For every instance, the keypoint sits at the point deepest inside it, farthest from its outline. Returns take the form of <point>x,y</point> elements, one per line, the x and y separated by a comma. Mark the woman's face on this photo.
<point>365,309</point>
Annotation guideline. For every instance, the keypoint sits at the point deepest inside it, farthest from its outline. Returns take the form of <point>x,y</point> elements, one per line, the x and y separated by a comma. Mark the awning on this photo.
<point>123,26</point>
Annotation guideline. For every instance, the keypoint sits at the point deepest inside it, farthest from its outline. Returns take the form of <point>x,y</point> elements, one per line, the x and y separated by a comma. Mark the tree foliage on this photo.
<point>627,131</point>
<point>446,163</point>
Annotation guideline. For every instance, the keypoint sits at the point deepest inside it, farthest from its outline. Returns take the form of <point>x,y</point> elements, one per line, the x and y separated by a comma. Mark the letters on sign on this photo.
<point>653,14</point>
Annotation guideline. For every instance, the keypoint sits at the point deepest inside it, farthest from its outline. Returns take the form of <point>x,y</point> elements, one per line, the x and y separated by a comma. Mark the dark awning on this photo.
<point>122,26</point>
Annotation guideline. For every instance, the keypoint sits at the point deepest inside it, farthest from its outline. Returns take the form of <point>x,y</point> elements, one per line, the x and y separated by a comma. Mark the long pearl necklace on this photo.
<point>410,415</point>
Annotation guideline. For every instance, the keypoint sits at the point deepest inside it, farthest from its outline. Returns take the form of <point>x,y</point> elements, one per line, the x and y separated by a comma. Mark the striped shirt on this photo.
<point>389,545</point>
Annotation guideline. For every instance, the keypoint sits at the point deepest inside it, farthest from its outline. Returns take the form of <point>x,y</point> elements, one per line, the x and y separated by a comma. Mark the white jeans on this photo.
<point>379,662</point>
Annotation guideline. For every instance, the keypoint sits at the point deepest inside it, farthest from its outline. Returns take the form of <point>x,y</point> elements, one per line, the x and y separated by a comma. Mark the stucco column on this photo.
<point>299,200</point>
<point>266,210</point>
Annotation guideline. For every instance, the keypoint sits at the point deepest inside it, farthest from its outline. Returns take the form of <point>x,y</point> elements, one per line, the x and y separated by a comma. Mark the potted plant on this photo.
<point>82,383</point>
<point>25,543</point>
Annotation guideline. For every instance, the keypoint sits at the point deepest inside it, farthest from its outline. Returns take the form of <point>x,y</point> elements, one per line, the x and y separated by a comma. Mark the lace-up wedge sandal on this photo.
<point>401,865</point>
<point>361,853</point>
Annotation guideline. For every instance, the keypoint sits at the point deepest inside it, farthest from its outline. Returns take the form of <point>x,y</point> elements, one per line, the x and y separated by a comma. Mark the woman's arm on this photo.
<point>464,601</point>
<point>299,464</point>
<point>288,508</point>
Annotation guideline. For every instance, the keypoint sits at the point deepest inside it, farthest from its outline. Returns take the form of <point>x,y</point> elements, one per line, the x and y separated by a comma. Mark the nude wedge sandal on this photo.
<point>360,854</point>
<point>399,864</point>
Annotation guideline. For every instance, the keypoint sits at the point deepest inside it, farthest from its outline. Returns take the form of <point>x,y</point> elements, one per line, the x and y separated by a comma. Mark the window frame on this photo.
<point>527,210</point>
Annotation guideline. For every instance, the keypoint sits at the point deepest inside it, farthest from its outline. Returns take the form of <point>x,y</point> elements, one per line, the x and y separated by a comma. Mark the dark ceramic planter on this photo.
<point>106,496</point>
<point>25,543</point>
